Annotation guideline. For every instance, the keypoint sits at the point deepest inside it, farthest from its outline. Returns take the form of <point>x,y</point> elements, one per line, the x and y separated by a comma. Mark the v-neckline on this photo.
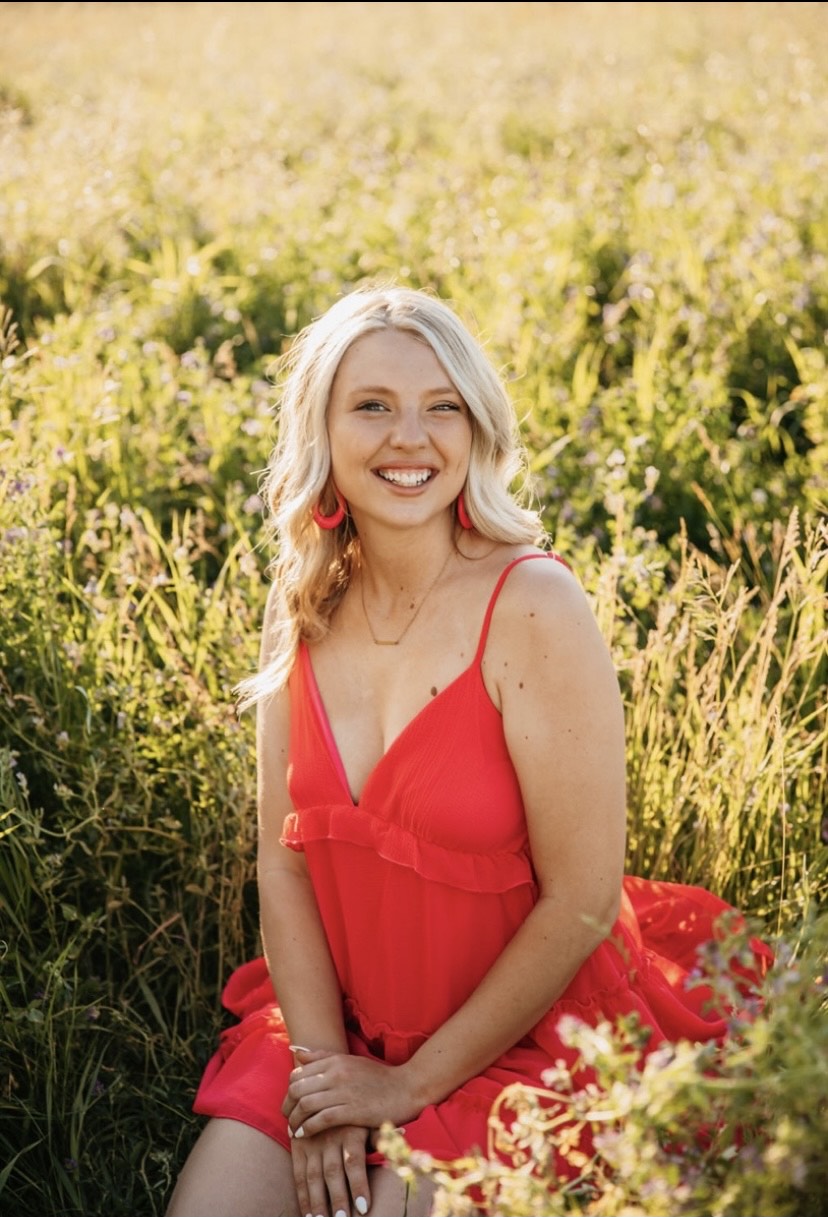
<point>330,739</point>
<point>324,721</point>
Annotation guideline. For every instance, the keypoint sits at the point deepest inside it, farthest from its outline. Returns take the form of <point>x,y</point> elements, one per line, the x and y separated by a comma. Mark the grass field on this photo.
<point>629,202</point>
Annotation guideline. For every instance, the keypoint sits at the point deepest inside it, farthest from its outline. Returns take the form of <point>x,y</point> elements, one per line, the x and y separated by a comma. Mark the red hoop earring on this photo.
<point>462,515</point>
<point>331,521</point>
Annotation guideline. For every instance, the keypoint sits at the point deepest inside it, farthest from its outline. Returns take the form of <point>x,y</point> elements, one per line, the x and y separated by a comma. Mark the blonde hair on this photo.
<point>312,567</point>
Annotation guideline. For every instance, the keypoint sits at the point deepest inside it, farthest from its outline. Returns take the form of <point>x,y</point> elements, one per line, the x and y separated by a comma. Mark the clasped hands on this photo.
<point>332,1089</point>
<point>333,1102</point>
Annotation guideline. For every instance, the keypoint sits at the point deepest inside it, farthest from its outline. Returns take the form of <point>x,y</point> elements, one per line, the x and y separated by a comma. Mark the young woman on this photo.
<point>441,791</point>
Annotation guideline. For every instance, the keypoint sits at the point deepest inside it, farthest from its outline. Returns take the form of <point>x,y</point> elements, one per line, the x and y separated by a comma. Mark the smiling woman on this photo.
<point>441,793</point>
<point>400,437</point>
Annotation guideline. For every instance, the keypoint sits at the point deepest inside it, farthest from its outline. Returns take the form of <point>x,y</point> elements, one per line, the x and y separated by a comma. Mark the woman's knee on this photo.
<point>233,1170</point>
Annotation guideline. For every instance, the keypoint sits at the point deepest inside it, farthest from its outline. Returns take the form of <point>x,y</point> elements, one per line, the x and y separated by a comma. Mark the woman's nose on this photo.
<point>408,430</point>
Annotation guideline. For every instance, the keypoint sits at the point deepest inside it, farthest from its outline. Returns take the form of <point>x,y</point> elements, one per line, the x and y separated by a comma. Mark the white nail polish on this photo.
<point>300,1132</point>
<point>361,1205</point>
<point>340,1213</point>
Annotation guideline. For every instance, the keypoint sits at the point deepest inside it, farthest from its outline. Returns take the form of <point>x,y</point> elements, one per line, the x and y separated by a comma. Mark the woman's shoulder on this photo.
<point>529,570</point>
<point>537,595</point>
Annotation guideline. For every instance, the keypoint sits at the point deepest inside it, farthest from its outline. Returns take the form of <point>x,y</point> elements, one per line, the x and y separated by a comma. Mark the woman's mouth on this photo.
<point>405,477</point>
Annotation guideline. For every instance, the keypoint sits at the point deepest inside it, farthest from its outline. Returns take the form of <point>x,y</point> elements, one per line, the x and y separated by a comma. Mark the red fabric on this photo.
<point>420,887</point>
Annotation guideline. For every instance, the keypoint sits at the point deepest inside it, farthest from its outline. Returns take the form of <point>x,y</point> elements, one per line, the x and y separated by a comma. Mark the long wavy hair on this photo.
<point>312,568</point>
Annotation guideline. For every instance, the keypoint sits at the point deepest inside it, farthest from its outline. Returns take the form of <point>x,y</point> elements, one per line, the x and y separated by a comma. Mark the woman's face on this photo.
<point>400,433</point>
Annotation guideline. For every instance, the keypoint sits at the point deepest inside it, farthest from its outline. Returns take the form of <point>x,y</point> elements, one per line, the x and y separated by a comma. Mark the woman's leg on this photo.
<point>234,1170</point>
<point>391,1198</point>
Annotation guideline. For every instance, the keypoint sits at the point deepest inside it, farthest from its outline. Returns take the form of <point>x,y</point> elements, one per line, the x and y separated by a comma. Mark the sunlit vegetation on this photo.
<point>629,202</point>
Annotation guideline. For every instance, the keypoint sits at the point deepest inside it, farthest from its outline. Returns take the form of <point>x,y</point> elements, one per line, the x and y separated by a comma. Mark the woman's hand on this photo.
<point>331,1089</point>
<point>329,1172</point>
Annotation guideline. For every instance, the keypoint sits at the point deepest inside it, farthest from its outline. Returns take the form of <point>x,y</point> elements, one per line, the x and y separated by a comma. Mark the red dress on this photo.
<point>420,887</point>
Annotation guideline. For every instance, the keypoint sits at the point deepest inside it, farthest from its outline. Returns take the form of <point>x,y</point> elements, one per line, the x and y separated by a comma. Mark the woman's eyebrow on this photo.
<point>384,389</point>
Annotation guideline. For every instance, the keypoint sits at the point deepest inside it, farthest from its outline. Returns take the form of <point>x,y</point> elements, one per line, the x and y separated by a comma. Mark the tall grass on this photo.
<point>727,727</point>
<point>629,202</point>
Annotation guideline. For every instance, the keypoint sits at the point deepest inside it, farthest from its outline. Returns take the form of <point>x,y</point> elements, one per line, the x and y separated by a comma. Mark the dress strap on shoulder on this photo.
<point>484,633</point>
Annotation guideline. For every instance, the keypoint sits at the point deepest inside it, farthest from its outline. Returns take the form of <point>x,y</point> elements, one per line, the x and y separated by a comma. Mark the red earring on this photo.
<point>462,515</point>
<point>331,521</point>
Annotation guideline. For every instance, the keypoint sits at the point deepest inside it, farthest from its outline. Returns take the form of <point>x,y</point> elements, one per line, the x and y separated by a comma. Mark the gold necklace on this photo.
<point>395,642</point>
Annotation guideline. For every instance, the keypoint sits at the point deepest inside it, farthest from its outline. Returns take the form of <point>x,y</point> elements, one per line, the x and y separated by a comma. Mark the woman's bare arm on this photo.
<point>294,940</point>
<point>331,1168</point>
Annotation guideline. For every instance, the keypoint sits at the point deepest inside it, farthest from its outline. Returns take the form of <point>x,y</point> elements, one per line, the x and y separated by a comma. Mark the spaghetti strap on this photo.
<point>484,632</point>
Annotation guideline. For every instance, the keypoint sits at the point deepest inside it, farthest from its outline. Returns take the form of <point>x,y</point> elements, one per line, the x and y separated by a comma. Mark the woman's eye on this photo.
<point>447,405</point>
<point>371,406</point>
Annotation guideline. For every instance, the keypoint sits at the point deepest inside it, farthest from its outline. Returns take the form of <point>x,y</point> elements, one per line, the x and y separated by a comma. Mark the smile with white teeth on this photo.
<point>405,477</point>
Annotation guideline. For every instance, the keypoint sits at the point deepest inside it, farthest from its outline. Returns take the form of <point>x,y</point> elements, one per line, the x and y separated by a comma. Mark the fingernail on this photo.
<point>299,1048</point>
<point>290,1131</point>
<point>340,1213</point>
<point>300,1132</point>
<point>361,1205</point>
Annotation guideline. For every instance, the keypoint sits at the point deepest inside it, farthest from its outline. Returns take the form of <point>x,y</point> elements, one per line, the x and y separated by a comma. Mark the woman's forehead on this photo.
<point>392,355</point>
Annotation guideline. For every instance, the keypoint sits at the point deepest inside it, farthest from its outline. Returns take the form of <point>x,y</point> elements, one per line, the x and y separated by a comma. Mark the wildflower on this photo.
<point>73,652</point>
<point>15,534</point>
<point>558,1077</point>
<point>651,476</point>
<point>569,1027</point>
